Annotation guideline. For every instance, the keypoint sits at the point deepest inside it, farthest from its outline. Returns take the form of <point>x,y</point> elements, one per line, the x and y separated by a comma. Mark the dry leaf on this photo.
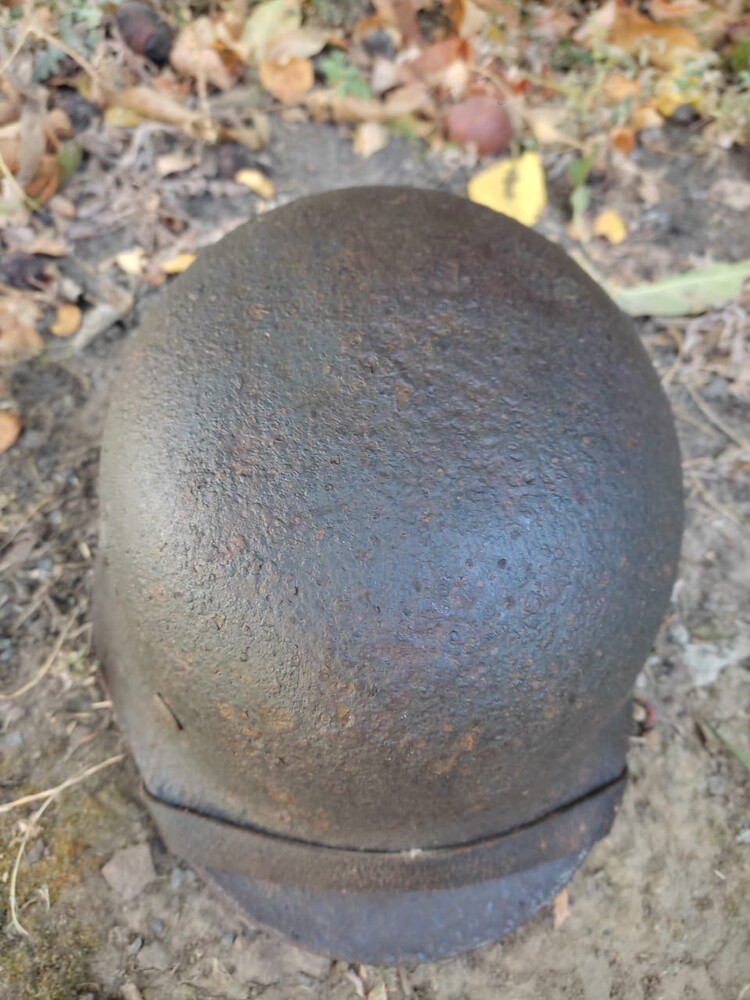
<point>153,104</point>
<point>413,97</point>
<point>666,10</point>
<point>19,337</point>
<point>194,55</point>
<point>515,187</point>
<point>33,142</point>
<point>369,138</point>
<point>257,182</point>
<point>287,81</point>
<point>468,19</point>
<point>118,117</point>
<point>403,15</point>
<point>67,320</point>
<point>264,28</point>
<point>131,261</point>
<point>10,428</point>
<point>664,45</point>
<point>622,138</point>
<point>675,90</point>
<point>178,264</point>
<point>176,162</point>
<point>610,225</point>
<point>300,43</point>
<point>560,909</point>
<point>646,117</point>
<point>618,87</point>
<point>46,180</point>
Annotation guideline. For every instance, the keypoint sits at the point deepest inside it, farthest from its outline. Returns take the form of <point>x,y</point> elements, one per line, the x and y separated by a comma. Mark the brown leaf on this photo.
<point>665,45</point>
<point>667,10</point>
<point>287,81</point>
<point>19,337</point>
<point>33,141</point>
<point>300,43</point>
<point>10,428</point>
<point>468,19</point>
<point>46,180</point>
<point>149,103</point>
<point>622,139</point>
<point>434,60</point>
<point>402,14</point>
<point>193,54</point>
<point>67,321</point>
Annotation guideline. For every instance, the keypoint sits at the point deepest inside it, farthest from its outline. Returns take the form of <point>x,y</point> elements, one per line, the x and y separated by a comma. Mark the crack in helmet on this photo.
<point>391,509</point>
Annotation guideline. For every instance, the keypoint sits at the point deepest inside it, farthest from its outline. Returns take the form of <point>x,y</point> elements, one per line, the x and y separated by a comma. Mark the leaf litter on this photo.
<point>503,88</point>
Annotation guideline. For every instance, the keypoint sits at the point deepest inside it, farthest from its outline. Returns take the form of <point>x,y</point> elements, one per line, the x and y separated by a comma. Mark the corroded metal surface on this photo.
<point>391,509</point>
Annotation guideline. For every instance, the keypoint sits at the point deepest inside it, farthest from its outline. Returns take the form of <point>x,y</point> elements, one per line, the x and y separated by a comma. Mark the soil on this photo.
<point>659,910</point>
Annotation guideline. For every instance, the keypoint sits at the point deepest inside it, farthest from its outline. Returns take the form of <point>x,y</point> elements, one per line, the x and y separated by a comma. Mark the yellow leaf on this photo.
<point>10,428</point>
<point>178,264</point>
<point>67,321</point>
<point>674,91</point>
<point>514,187</point>
<point>119,117</point>
<point>257,182</point>
<point>610,225</point>
<point>369,138</point>
<point>131,261</point>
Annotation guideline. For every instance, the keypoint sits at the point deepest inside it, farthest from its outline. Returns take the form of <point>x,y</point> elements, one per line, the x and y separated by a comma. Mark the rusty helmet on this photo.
<point>390,512</point>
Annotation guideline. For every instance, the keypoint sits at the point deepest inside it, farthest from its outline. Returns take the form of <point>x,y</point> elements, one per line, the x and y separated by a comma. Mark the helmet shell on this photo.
<point>391,509</point>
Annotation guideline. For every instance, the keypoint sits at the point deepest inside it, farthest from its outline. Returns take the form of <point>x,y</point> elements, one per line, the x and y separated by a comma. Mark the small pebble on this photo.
<point>135,946</point>
<point>228,939</point>
<point>157,925</point>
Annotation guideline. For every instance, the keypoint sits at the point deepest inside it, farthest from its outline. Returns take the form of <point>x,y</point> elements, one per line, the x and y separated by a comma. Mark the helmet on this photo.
<point>390,512</point>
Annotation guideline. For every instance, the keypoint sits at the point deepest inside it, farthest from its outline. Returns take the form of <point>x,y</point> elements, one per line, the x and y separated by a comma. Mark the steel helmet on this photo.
<point>390,512</point>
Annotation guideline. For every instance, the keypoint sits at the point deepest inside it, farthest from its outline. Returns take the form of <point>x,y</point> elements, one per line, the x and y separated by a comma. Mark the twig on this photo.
<point>45,668</point>
<point>68,783</point>
<point>716,419</point>
<point>51,794</point>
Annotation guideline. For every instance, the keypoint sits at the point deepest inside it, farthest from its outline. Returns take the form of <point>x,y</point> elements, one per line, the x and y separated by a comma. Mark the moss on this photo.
<point>54,965</point>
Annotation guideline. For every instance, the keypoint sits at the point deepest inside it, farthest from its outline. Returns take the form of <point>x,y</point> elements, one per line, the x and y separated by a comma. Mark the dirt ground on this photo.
<point>661,908</point>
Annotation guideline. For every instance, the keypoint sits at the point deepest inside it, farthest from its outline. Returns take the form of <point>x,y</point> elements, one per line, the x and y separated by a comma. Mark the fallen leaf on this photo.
<point>193,54</point>
<point>646,117</point>
<point>67,320</point>
<point>610,225</point>
<point>369,138</point>
<point>176,162</point>
<point>131,261</point>
<point>468,19</point>
<point>515,187</point>
<point>258,183</point>
<point>675,90</point>
<point>178,264</point>
<point>560,909</point>
<point>618,87</point>
<point>10,428</point>
<point>300,43</point>
<point>287,81</point>
<point>118,117</point>
<point>19,337</point>
<point>46,180</point>
<point>686,294</point>
<point>157,106</point>
<point>622,138</point>
<point>666,10</point>
<point>267,23</point>
<point>664,45</point>
<point>403,15</point>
